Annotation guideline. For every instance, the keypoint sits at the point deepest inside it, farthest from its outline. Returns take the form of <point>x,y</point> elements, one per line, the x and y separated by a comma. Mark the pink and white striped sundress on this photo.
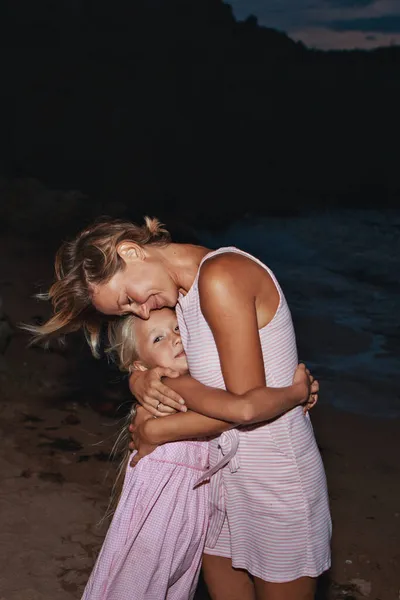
<point>269,509</point>
<point>155,542</point>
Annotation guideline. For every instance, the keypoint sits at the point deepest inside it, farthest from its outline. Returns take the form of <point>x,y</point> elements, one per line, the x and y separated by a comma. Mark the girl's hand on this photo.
<point>139,442</point>
<point>308,386</point>
<point>158,399</point>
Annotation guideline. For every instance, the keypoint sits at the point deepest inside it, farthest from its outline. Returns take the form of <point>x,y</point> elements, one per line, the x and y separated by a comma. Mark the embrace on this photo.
<point>228,476</point>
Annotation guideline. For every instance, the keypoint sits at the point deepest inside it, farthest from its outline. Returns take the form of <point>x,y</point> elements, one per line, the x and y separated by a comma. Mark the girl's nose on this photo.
<point>177,338</point>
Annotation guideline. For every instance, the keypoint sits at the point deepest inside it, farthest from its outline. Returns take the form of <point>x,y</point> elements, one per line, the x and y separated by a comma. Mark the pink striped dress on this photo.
<point>269,508</point>
<point>155,542</point>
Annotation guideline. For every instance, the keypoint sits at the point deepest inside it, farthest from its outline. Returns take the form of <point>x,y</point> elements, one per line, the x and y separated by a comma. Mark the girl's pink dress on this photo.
<point>155,542</point>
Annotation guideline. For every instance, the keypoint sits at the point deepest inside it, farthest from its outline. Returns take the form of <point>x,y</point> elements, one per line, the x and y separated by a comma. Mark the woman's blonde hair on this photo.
<point>90,259</point>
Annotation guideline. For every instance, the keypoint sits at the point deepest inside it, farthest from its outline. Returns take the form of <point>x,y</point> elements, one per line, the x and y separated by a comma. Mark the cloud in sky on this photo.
<point>328,24</point>
<point>350,3</point>
<point>384,24</point>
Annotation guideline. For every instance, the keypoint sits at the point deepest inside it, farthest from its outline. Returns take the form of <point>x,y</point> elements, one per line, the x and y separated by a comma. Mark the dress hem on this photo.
<point>271,579</point>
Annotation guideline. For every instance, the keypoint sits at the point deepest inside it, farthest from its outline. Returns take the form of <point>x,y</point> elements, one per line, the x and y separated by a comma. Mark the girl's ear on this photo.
<point>130,251</point>
<point>138,366</point>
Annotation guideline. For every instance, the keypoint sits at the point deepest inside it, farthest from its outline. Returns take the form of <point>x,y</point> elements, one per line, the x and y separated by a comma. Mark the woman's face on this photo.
<point>158,341</point>
<point>142,286</point>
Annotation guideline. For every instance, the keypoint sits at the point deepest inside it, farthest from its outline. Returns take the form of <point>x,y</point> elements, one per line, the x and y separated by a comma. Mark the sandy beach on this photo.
<point>56,475</point>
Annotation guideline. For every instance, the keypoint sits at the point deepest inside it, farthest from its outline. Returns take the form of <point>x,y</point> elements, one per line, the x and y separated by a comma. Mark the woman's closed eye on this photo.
<point>129,301</point>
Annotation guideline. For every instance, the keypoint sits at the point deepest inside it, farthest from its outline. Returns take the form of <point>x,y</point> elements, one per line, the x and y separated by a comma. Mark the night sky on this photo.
<point>329,24</point>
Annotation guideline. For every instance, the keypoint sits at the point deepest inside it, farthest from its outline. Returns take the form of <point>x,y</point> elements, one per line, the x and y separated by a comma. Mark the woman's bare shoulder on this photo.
<point>230,269</point>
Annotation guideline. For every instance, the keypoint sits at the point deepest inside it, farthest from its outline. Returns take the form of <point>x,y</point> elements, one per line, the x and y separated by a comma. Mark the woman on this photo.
<point>269,531</point>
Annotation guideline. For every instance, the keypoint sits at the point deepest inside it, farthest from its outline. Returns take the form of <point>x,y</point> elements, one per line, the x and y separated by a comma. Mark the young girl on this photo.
<point>154,545</point>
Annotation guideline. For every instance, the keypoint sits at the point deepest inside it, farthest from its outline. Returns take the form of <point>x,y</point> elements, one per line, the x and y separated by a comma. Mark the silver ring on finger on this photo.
<point>157,407</point>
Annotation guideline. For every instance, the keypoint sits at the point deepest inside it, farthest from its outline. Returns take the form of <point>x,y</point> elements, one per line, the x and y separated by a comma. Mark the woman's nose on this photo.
<point>142,311</point>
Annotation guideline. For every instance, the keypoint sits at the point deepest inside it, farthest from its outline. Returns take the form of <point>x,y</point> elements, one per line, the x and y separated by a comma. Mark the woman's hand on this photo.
<point>158,399</point>
<point>308,385</point>
<point>139,441</point>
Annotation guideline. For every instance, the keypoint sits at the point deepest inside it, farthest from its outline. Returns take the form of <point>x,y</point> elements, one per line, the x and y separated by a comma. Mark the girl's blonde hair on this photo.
<point>90,259</point>
<point>122,347</point>
<point>122,341</point>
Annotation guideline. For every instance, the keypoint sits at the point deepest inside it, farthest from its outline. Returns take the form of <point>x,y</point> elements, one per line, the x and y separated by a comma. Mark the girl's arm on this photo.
<point>181,426</point>
<point>148,433</point>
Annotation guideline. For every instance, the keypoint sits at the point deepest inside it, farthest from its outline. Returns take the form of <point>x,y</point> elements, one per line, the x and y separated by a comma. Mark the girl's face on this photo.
<point>158,341</point>
<point>143,285</point>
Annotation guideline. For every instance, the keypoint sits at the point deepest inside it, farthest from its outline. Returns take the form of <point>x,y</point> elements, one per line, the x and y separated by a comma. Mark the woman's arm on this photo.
<point>255,406</point>
<point>237,298</point>
<point>150,391</point>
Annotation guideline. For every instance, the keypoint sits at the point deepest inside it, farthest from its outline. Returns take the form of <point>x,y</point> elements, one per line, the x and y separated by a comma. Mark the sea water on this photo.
<point>340,272</point>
